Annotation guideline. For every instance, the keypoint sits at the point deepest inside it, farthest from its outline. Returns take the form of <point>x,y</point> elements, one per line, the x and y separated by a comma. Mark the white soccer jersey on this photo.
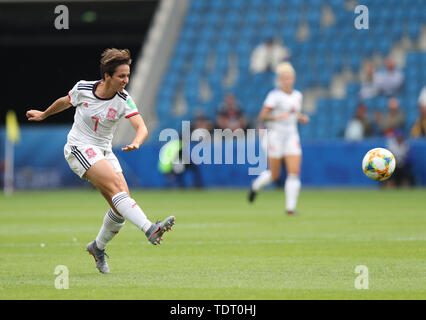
<point>281,102</point>
<point>97,118</point>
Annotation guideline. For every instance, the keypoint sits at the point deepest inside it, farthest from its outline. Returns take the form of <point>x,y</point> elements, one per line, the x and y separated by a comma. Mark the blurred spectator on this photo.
<point>201,122</point>
<point>369,86</point>
<point>422,97</point>
<point>360,126</point>
<point>392,121</point>
<point>229,115</point>
<point>402,175</point>
<point>174,165</point>
<point>267,56</point>
<point>390,80</point>
<point>419,127</point>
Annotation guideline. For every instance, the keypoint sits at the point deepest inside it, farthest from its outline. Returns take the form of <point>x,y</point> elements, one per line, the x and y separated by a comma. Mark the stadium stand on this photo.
<point>215,31</point>
<point>211,57</point>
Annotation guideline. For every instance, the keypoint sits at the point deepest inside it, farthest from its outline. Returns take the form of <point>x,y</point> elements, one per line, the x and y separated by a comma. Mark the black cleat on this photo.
<point>252,195</point>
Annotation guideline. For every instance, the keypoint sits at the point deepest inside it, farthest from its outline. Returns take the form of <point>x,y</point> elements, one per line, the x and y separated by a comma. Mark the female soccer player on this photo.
<point>281,112</point>
<point>99,105</point>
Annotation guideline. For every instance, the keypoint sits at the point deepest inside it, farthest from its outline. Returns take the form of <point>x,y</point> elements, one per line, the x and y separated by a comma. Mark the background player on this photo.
<point>88,151</point>
<point>281,112</point>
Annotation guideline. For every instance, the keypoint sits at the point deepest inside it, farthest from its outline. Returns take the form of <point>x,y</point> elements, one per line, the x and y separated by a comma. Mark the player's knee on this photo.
<point>293,169</point>
<point>294,173</point>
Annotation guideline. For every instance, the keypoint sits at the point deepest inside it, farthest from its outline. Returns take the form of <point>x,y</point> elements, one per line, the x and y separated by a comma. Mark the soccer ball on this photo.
<point>378,164</point>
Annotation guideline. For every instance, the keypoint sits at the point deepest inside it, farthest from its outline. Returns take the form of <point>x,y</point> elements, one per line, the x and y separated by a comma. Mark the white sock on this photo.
<point>129,209</point>
<point>292,189</point>
<point>111,226</point>
<point>262,180</point>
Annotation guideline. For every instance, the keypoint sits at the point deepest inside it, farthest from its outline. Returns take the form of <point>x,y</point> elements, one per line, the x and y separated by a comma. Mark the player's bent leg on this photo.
<point>103,176</point>
<point>108,198</point>
<point>113,185</point>
<point>260,182</point>
<point>131,211</point>
<point>292,183</point>
<point>275,165</point>
<point>265,178</point>
<point>111,226</point>
<point>124,182</point>
<point>293,163</point>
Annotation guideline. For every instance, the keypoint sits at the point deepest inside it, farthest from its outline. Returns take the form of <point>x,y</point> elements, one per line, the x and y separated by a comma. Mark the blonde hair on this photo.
<point>284,67</point>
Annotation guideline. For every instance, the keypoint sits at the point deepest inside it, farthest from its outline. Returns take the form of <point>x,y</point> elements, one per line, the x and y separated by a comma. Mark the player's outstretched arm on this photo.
<point>59,105</point>
<point>141,133</point>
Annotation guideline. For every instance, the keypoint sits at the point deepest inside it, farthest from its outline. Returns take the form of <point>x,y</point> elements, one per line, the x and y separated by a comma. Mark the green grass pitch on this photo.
<point>221,246</point>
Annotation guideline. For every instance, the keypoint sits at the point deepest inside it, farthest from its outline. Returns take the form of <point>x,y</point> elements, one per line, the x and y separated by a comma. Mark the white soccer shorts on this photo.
<point>81,158</point>
<point>279,145</point>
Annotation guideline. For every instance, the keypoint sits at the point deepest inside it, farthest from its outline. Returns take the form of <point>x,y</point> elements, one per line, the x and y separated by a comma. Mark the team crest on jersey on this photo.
<point>90,153</point>
<point>85,104</point>
<point>111,114</point>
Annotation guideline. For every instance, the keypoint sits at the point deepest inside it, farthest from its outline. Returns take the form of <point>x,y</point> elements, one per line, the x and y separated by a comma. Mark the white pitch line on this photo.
<point>205,242</point>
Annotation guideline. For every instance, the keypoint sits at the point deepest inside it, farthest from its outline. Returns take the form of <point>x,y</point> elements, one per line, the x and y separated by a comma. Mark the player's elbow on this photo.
<point>65,102</point>
<point>145,132</point>
<point>142,132</point>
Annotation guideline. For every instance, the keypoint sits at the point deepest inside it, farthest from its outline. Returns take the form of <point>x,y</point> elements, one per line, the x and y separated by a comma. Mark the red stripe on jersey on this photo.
<point>69,99</point>
<point>131,115</point>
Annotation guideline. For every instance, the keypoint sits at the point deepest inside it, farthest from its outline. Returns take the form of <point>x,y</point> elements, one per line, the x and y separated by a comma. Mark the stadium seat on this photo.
<point>197,6</point>
<point>413,30</point>
<point>236,5</point>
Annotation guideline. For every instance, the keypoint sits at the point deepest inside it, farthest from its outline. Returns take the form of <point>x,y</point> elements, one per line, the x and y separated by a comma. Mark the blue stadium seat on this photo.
<point>355,62</point>
<point>257,4</point>
<point>187,34</point>
<point>336,4</point>
<point>367,46</point>
<point>413,30</point>
<point>193,20</point>
<point>313,17</point>
<point>294,4</point>
<point>236,4</point>
<point>232,18</point>
<point>197,6</point>
<point>252,16</point>
<point>274,17</point>
<point>352,90</point>
<point>396,32</point>
<point>216,5</point>
<point>385,14</point>
<point>413,14</point>
<point>336,62</point>
<point>324,78</point>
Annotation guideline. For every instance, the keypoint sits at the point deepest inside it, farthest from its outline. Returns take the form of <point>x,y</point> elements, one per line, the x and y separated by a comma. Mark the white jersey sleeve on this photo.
<point>271,99</point>
<point>73,95</point>
<point>130,109</point>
